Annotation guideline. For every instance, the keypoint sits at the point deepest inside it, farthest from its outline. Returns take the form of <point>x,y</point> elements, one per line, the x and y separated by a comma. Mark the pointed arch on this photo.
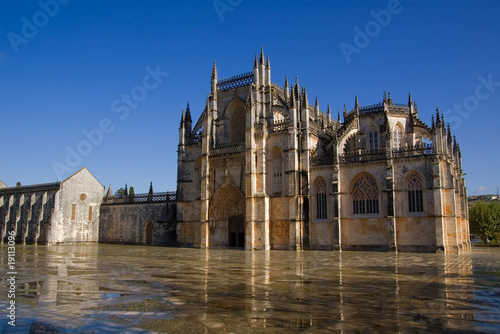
<point>226,215</point>
<point>235,114</point>
<point>227,201</point>
<point>342,146</point>
<point>365,194</point>
<point>320,195</point>
<point>148,233</point>
<point>397,135</point>
<point>414,185</point>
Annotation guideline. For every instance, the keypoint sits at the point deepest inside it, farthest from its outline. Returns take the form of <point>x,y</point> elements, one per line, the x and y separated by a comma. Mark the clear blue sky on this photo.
<point>65,68</point>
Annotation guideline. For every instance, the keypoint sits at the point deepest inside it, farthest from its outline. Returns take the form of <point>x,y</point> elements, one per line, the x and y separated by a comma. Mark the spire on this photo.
<point>385,97</point>
<point>150,193</point>
<point>255,62</point>
<point>183,119</point>
<point>188,118</point>
<point>305,101</point>
<point>390,98</point>
<point>328,115</point>
<point>268,63</point>
<point>338,118</point>
<point>287,91</point>
<point>450,138</point>
<point>410,102</point>
<point>261,60</point>
<point>356,103</point>
<point>433,124</point>
<point>110,192</point>
<point>296,87</point>
<point>316,109</point>
<point>345,112</point>
<point>214,71</point>
<point>438,118</point>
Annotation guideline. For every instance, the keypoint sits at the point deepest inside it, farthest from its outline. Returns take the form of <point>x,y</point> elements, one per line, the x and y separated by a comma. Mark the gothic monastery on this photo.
<point>263,169</point>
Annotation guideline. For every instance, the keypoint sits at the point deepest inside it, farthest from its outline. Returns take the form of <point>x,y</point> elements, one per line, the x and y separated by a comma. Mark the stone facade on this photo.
<point>264,169</point>
<point>52,213</point>
<point>139,224</point>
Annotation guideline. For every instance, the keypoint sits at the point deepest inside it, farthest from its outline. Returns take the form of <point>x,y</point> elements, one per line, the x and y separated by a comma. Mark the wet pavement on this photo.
<point>137,289</point>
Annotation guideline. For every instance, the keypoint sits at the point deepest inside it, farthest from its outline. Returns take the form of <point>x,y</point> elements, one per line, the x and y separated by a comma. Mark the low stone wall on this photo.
<point>129,224</point>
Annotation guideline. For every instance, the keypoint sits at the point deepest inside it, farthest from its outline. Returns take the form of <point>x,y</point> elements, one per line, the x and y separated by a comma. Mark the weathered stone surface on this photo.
<point>129,223</point>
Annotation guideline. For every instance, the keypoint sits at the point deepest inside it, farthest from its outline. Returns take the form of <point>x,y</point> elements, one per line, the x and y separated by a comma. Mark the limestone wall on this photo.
<point>128,224</point>
<point>77,209</point>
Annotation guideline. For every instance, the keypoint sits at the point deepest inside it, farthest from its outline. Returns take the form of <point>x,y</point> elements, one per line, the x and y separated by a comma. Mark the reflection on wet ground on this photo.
<point>136,289</point>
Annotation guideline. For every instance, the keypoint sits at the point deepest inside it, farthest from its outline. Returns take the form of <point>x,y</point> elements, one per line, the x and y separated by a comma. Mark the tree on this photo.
<point>484,219</point>
<point>131,193</point>
<point>120,193</point>
<point>18,184</point>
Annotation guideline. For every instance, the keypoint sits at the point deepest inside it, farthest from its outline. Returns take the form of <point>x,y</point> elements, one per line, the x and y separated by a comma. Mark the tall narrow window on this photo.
<point>398,136</point>
<point>365,196</point>
<point>73,212</point>
<point>197,178</point>
<point>415,194</point>
<point>373,136</point>
<point>321,212</point>
<point>90,212</point>
<point>237,121</point>
<point>277,172</point>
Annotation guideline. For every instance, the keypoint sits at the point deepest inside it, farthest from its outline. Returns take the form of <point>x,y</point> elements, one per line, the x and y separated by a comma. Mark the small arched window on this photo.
<point>398,136</point>
<point>365,196</point>
<point>415,194</point>
<point>321,212</point>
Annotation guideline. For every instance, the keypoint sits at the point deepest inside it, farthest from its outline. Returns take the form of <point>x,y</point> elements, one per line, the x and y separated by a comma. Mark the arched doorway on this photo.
<point>227,217</point>
<point>149,233</point>
<point>236,229</point>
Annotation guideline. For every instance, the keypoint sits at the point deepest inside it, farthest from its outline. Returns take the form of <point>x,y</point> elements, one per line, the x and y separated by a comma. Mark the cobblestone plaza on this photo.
<point>137,289</point>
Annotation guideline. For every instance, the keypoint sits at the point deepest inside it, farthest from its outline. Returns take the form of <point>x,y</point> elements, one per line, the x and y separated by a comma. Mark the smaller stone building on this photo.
<point>52,213</point>
<point>142,219</point>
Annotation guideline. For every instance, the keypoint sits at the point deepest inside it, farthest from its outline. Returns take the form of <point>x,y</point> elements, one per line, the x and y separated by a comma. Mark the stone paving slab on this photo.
<point>133,289</point>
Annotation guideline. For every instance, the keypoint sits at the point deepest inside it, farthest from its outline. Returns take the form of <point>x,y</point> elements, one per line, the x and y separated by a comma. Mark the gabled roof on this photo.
<point>82,169</point>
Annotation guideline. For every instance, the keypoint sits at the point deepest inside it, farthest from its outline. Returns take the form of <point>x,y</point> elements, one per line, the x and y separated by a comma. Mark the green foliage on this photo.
<point>18,184</point>
<point>484,220</point>
<point>131,192</point>
<point>120,193</point>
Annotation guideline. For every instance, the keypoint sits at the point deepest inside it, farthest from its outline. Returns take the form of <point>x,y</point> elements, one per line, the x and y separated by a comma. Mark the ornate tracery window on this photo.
<point>321,212</point>
<point>398,136</point>
<point>365,196</point>
<point>415,194</point>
